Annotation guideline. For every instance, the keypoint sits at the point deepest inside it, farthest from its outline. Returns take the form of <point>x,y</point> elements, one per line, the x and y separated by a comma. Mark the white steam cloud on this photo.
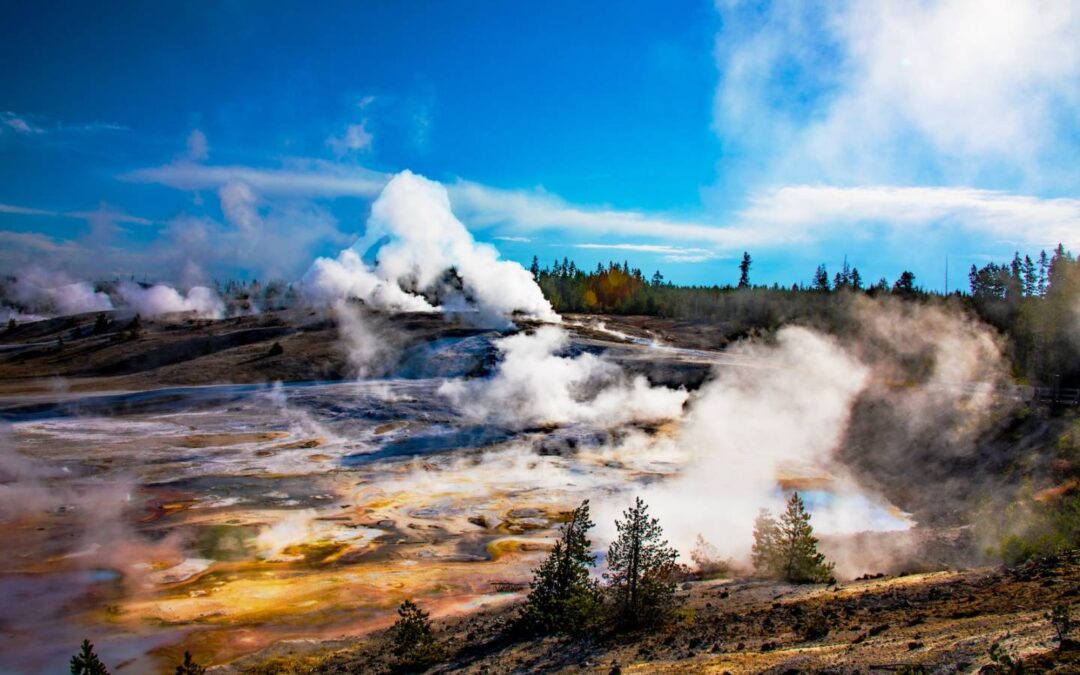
<point>162,299</point>
<point>751,426</point>
<point>370,346</point>
<point>788,422</point>
<point>415,241</point>
<point>534,385</point>
<point>47,293</point>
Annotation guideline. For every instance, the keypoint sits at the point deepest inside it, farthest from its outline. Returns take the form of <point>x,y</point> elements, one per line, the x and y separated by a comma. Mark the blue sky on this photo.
<point>192,141</point>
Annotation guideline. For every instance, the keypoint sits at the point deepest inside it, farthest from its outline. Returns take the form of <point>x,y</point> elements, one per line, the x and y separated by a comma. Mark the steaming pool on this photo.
<point>222,519</point>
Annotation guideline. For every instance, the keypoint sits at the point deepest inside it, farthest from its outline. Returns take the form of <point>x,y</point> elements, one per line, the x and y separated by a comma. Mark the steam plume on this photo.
<point>162,299</point>
<point>534,384</point>
<point>415,242</point>
<point>48,293</point>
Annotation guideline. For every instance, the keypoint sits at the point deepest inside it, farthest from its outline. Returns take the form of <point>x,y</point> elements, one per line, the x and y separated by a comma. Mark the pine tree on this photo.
<point>1030,278</point>
<point>765,553</point>
<point>415,645</point>
<point>86,662</point>
<point>189,667</point>
<point>641,568</point>
<point>744,271</point>
<point>905,284</point>
<point>534,269</point>
<point>1043,268</point>
<point>821,279</point>
<point>856,279</point>
<point>799,557</point>
<point>843,277</point>
<point>564,598</point>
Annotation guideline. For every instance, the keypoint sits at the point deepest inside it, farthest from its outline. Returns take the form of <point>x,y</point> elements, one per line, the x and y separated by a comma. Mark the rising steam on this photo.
<point>535,384</point>
<point>162,299</point>
<point>418,247</point>
<point>909,373</point>
<point>37,292</point>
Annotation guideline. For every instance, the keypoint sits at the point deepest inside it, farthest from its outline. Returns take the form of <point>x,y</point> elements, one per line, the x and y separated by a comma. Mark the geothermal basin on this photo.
<point>221,519</point>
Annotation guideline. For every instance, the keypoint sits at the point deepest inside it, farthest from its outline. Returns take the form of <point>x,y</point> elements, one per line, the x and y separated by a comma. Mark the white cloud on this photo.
<point>28,240</point>
<point>882,91</point>
<point>355,139</point>
<point>667,253</point>
<point>19,124</point>
<point>102,212</point>
<point>516,240</point>
<point>535,211</point>
<point>105,212</point>
<point>803,212</point>
<point>25,211</point>
<point>239,204</point>
<point>197,147</point>
<point>777,217</point>
<point>22,124</point>
<point>305,178</point>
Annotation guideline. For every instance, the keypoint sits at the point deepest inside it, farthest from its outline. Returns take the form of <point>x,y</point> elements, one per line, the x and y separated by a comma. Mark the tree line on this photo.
<point>1031,300</point>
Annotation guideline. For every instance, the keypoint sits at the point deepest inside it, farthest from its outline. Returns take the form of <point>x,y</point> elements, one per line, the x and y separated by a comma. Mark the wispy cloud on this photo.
<point>517,240</point>
<point>772,218</point>
<point>25,211</point>
<point>355,138</point>
<point>19,124</point>
<point>313,178</point>
<point>198,148</point>
<point>27,125</point>
<point>667,253</point>
<point>102,212</point>
<point>535,211</point>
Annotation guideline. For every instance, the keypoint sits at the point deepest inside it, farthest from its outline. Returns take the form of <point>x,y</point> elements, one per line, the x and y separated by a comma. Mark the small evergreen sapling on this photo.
<point>765,552</point>
<point>563,597</point>
<point>86,662</point>
<point>787,549</point>
<point>415,645</point>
